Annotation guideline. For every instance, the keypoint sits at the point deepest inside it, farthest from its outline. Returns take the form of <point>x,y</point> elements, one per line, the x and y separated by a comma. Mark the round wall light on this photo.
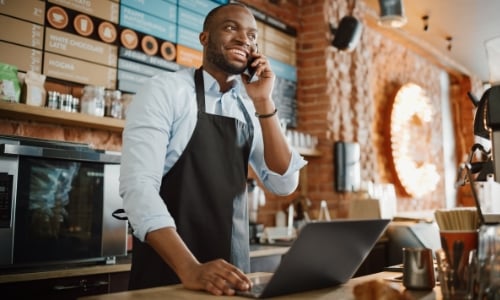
<point>410,138</point>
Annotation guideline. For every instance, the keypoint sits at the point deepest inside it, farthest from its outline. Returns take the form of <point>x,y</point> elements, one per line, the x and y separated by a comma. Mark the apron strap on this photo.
<point>200,89</point>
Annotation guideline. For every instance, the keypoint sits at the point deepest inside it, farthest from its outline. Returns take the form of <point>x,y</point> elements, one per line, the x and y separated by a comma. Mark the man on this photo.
<point>187,143</point>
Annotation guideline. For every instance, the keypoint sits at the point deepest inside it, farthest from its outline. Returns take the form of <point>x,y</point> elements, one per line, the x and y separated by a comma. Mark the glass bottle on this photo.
<point>92,102</point>
<point>116,105</point>
<point>100,102</point>
<point>107,103</point>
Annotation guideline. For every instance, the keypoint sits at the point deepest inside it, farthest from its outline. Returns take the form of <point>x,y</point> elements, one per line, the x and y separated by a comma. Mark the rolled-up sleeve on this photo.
<point>145,141</point>
<point>285,184</point>
<point>278,184</point>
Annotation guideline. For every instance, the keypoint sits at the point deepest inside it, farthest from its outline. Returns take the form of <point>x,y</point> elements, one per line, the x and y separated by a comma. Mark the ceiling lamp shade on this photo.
<point>391,13</point>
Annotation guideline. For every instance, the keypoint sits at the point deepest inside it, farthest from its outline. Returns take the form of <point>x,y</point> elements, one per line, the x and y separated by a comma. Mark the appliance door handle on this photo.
<point>65,154</point>
<point>83,284</point>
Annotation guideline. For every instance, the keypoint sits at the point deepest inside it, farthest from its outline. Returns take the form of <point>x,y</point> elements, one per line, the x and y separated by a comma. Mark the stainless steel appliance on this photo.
<point>56,203</point>
<point>492,96</point>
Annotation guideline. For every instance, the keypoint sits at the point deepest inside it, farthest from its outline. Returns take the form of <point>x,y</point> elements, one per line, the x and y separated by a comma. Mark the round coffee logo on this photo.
<point>129,39</point>
<point>149,45</point>
<point>107,32</point>
<point>57,17</point>
<point>83,25</point>
<point>167,51</point>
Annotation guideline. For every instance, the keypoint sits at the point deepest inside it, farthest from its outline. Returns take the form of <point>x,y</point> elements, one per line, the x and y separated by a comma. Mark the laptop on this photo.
<point>325,254</point>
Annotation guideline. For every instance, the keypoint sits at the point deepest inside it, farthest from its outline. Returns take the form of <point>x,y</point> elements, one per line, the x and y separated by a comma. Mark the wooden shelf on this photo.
<point>308,152</point>
<point>19,111</point>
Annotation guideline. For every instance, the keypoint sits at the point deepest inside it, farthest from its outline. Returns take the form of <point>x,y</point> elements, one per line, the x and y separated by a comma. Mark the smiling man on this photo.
<point>189,138</point>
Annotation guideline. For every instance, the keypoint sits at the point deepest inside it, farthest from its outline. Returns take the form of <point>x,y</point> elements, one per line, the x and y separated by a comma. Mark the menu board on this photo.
<point>78,42</point>
<point>119,44</point>
<point>23,46</point>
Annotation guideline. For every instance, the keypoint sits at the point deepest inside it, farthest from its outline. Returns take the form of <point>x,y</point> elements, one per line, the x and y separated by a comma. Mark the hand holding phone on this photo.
<point>250,70</point>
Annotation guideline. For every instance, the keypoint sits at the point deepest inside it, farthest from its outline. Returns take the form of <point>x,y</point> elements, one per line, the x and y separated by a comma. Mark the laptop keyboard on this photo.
<point>258,288</point>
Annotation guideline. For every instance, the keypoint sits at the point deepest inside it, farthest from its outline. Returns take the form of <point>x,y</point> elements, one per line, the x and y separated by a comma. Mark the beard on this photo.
<point>216,58</point>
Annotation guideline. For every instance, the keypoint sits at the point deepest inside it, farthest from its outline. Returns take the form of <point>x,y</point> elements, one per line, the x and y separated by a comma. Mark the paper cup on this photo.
<point>455,279</point>
<point>450,238</point>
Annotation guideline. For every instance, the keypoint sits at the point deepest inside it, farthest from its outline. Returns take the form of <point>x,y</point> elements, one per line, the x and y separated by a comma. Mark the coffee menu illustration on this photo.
<point>119,44</point>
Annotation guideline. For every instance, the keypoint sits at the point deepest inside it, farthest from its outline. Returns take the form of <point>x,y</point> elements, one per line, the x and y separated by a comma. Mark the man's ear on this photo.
<point>204,38</point>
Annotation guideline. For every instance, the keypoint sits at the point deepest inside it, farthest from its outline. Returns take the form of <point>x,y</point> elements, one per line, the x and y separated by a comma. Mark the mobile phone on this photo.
<point>250,70</point>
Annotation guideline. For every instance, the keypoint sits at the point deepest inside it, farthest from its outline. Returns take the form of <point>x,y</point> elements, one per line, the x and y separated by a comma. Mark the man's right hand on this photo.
<point>217,277</point>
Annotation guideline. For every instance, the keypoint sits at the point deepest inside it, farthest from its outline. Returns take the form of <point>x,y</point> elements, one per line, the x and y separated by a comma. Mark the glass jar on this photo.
<point>92,102</point>
<point>116,105</point>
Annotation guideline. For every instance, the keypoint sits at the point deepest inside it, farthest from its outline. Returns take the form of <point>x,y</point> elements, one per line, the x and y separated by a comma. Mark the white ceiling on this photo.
<point>470,24</point>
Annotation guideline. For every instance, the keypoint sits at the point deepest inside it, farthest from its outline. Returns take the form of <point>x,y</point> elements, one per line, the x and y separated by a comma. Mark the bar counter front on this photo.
<point>344,292</point>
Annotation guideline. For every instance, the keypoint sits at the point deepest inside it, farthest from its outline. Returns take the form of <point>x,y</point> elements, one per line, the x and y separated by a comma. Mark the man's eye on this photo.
<point>230,27</point>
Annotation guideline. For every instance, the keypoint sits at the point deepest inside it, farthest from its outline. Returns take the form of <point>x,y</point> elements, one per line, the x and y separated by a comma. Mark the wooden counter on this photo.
<point>72,282</point>
<point>122,265</point>
<point>64,272</point>
<point>267,250</point>
<point>343,292</point>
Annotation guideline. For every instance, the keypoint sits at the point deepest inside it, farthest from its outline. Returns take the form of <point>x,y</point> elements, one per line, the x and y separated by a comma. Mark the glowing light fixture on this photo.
<point>392,13</point>
<point>410,139</point>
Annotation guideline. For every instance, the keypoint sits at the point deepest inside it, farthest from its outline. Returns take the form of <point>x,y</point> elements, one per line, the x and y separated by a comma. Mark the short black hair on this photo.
<point>213,12</point>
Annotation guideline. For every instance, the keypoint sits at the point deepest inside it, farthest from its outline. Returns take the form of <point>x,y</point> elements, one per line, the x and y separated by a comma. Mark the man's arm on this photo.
<point>277,153</point>
<point>217,277</point>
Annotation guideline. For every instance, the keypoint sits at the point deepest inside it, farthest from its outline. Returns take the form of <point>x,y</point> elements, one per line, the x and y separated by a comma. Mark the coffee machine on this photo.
<point>487,142</point>
<point>492,97</point>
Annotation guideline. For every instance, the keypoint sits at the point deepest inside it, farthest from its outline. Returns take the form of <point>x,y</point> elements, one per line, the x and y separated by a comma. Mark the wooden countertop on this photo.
<point>122,265</point>
<point>257,250</point>
<point>64,272</point>
<point>344,292</point>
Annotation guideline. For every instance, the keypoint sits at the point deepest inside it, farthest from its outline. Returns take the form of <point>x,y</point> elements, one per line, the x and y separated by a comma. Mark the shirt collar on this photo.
<point>213,86</point>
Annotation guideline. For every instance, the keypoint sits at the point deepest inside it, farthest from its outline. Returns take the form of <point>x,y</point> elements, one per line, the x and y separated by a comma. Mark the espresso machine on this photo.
<point>493,122</point>
<point>485,171</point>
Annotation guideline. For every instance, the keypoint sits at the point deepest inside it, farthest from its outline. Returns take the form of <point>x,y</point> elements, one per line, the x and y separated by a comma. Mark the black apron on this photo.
<point>199,192</point>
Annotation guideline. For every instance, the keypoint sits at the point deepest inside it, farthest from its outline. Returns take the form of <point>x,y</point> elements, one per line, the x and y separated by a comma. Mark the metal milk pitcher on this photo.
<point>418,269</point>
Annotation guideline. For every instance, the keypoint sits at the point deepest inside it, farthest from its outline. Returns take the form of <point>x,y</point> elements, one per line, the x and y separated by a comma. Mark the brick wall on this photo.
<point>348,96</point>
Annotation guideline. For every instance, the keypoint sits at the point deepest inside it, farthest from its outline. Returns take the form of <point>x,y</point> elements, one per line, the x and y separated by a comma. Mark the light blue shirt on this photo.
<point>159,124</point>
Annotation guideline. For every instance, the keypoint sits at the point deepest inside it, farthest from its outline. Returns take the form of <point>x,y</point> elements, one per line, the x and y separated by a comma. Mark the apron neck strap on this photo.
<point>200,89</point>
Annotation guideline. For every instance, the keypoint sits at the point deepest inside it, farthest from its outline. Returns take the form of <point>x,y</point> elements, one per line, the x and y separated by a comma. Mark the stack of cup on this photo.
<point>458,230</point>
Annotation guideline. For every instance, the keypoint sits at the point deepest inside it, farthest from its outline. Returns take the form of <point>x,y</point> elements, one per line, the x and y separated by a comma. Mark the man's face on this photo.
<point>230,40</point>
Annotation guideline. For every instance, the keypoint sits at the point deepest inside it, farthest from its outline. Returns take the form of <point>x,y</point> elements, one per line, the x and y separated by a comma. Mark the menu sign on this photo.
<point>74,70</point>
<point>78,47</point>
<point>103,9</point>
<point>130,82</point>
<point>26,33</point>
<point>29,10</point>
<point>148,60</point>
<point>189,57</point>
<point>124,64</point>
<point>148,24</point>
<point>26,59</point>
